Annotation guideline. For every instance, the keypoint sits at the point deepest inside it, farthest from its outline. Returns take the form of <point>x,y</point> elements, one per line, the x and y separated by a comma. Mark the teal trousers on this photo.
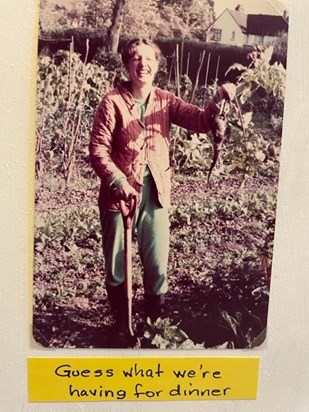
<point>151,222</point>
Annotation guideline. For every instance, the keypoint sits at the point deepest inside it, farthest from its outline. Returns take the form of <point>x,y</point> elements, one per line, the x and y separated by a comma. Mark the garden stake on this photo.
<point>127,212</point>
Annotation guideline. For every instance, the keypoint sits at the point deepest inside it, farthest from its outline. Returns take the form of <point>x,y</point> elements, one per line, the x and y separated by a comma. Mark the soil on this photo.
<point>71,308</point>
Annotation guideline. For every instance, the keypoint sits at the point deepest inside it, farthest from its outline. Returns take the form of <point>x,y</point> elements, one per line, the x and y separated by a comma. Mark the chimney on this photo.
<point>240,8</point>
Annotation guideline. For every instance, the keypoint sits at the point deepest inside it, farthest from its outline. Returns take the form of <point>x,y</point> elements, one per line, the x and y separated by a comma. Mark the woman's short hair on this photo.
<point>129,49</point>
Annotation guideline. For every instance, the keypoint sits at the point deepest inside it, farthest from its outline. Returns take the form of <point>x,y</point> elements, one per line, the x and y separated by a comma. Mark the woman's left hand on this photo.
<point>225,93</point>
<point>228,91</point>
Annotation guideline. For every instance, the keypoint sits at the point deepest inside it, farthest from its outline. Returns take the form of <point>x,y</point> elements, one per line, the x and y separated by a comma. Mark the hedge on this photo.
<point>60,40</point>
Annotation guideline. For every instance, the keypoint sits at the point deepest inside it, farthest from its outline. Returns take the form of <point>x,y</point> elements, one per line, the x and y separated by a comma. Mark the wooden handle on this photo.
<point>127,210</point>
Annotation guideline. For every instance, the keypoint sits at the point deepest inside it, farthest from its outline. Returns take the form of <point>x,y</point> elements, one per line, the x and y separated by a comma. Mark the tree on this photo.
<point>97,14</point>
<point>115,29</point>
<point>142,19</point>
<point>51,16</point>
<point>201,15</point>
<point>193,15</point>
<point>150,18</point>
<point>167,18</point>
<point>75,14</point>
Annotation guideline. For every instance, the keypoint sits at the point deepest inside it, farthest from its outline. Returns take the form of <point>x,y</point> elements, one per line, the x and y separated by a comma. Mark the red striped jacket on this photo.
<point>121,143</point>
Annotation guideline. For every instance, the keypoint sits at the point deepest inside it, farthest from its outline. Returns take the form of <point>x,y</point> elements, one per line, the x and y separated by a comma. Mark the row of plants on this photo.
<point>80,225</point>
<point>69,90</point>
<point>221,251</point>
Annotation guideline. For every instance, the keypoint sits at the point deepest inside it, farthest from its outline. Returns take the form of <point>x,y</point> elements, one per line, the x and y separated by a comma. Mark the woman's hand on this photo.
<point>228,91</point>
<point>225,93</point>
<point>125,191</point>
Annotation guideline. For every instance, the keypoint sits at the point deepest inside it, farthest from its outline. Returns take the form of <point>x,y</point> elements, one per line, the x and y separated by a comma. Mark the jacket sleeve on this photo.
<point>100,147</point>
<point>191,117</point>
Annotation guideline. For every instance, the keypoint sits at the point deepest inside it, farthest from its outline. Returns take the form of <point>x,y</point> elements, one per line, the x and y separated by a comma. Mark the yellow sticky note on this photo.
<point>140,379</point>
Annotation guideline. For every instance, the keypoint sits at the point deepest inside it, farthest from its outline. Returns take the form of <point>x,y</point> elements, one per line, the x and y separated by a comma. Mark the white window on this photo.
<point>217,35</point>
<point>233,36</point>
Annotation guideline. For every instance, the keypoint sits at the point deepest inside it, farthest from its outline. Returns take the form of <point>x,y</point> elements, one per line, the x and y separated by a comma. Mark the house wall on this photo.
<point>227,24</point>
<point>266,40</point>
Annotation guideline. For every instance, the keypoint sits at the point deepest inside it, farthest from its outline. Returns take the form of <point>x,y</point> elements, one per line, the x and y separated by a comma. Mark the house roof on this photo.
<point>266,25</point>
<point>240,18</point>
<point>258,24</point>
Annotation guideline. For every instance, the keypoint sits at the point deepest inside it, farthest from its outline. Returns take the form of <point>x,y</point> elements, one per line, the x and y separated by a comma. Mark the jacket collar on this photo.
<point>125,91</point>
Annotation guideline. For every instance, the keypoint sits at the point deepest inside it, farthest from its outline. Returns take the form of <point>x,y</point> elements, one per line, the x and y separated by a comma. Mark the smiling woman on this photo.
<point>129,150</point>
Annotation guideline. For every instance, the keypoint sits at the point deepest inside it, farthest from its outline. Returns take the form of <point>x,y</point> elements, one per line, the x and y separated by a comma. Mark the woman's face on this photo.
<point>143,65</point>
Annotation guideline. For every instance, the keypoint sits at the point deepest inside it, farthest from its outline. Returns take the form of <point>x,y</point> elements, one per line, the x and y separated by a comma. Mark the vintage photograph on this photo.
<point>158,135</point>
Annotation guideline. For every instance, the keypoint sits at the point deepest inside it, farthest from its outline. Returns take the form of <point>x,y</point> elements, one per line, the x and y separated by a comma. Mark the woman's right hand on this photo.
<point>125,191</point>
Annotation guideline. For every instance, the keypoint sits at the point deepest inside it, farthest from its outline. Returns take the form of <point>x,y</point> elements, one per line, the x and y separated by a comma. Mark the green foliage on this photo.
<point>247,156</point>
<point>68,92</point>
<point>247,152</point>
<point>64,245</point>
<point>71,229</point>
<point>261,74</point>
<point>190,152</point>
<point>74,14</point>
<point>238,204</point>
<point>164,335</point>
<point>149,18</point>
<point>112,63</point>
<point>235,235</point>
<point>244,335</point>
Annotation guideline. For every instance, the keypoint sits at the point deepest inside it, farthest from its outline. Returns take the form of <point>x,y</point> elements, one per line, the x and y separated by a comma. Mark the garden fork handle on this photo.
<point>127,212</point>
